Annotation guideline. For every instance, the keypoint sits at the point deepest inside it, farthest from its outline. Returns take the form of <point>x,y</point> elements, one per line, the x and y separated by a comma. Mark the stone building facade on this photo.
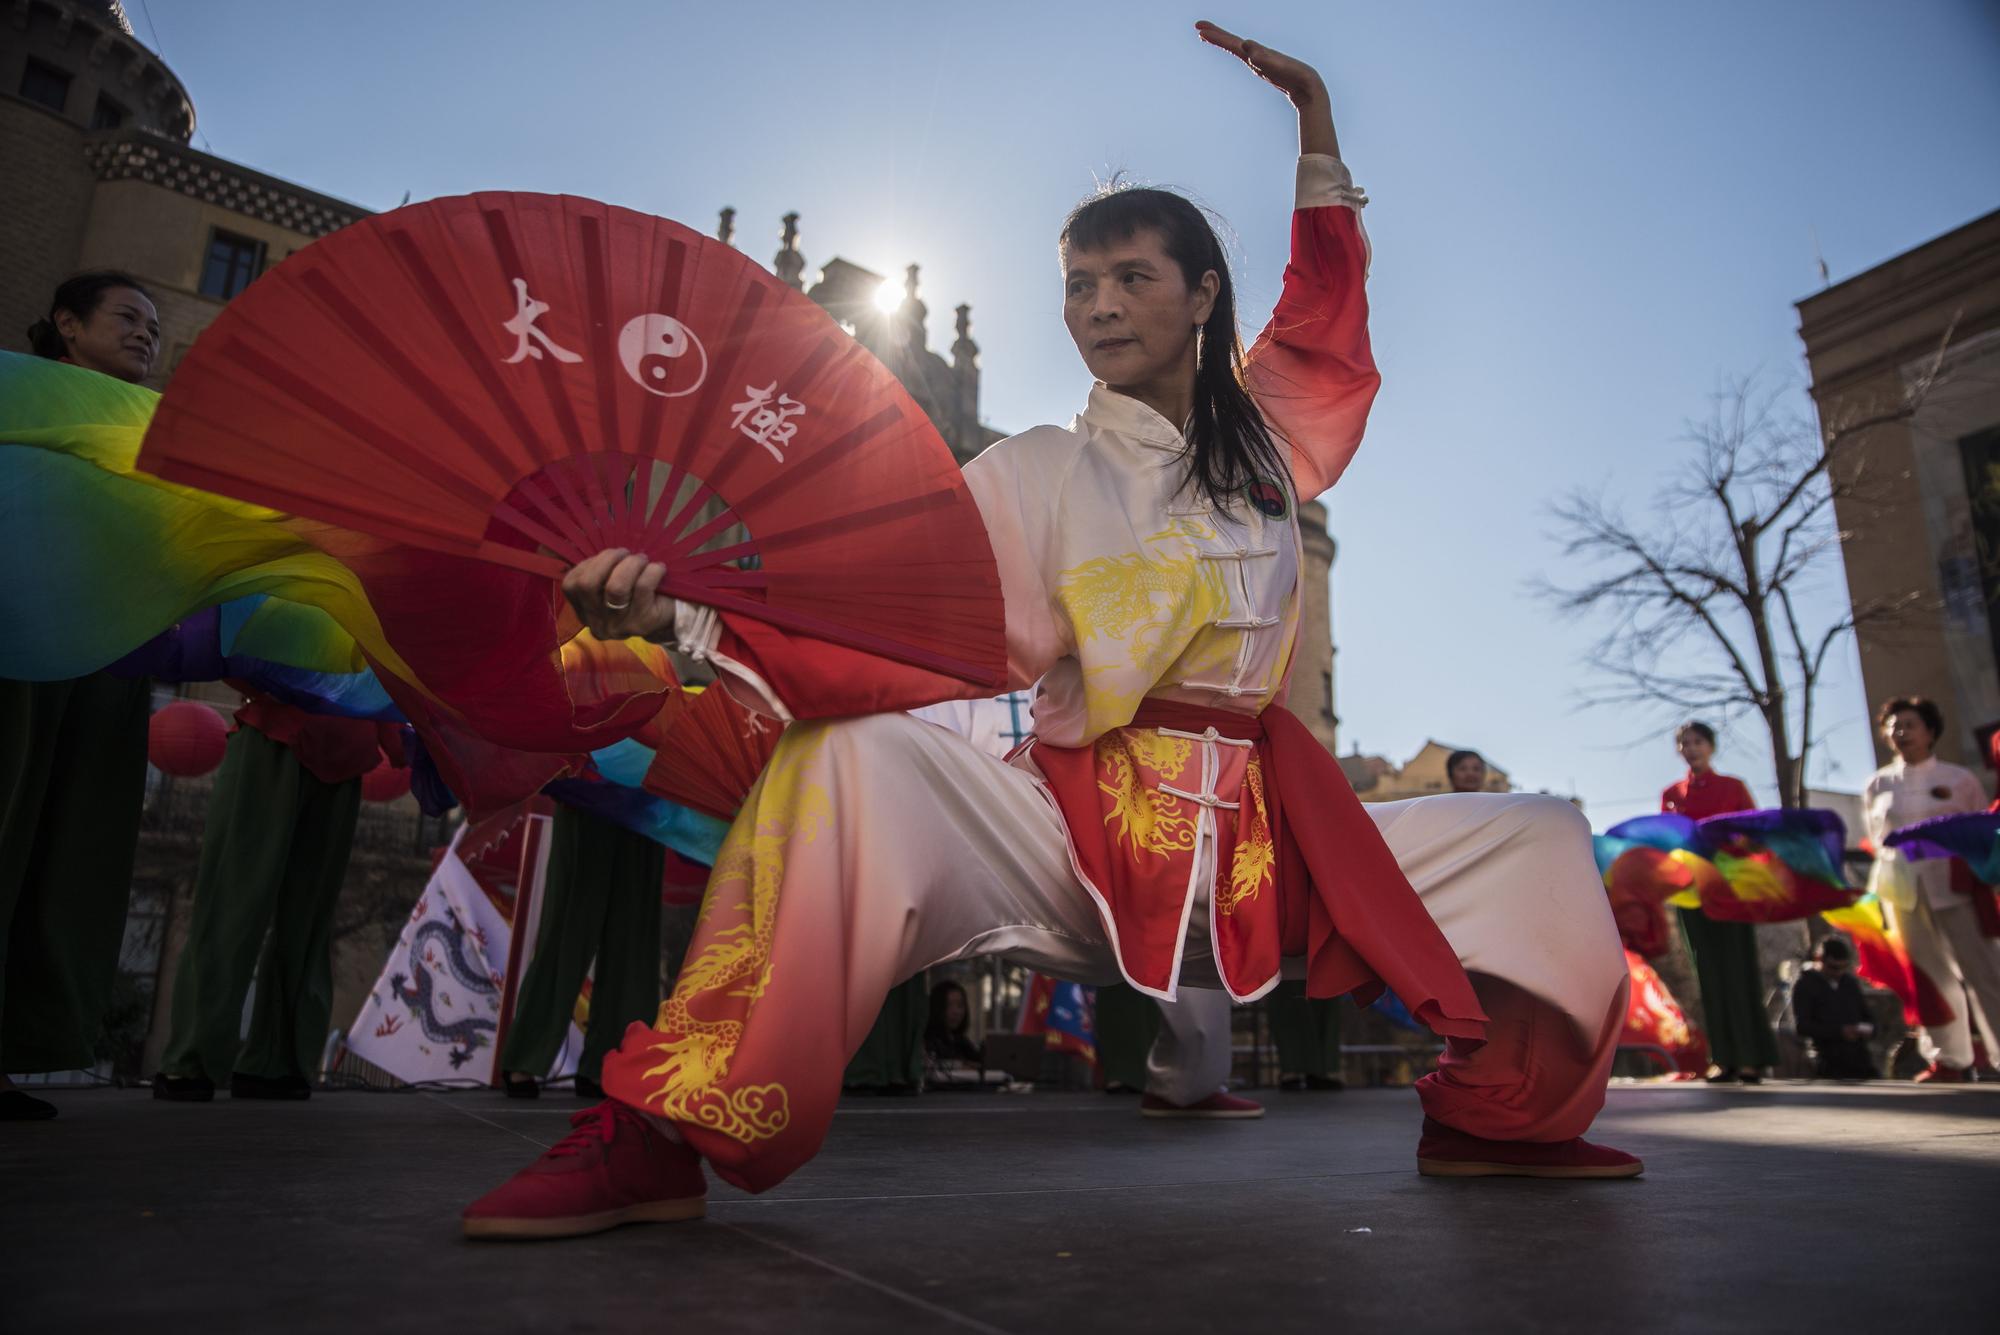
<point>94,133</point>
<point>1925,523</point>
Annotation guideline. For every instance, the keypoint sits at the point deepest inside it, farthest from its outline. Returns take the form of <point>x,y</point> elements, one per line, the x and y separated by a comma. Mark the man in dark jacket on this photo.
<point>1833,1015</point>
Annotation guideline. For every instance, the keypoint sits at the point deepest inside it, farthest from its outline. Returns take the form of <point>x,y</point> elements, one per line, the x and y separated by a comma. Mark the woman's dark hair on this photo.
<point>1229,445</point>
<point>1932,716</point>
<point>1699,729</point>
<point>80,295</point>
<point>1835,947</point>
<point>1451,761</point>
<point>936,1028</point>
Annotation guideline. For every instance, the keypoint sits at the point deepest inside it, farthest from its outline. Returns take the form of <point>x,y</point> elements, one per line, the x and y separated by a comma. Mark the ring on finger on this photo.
<point>617,607</point>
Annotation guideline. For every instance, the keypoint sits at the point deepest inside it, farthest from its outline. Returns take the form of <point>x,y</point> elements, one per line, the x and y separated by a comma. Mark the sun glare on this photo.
<point>887,297</point>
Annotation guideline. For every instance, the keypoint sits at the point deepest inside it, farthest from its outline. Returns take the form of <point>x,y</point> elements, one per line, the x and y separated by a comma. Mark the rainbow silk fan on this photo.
<point>530,379</point>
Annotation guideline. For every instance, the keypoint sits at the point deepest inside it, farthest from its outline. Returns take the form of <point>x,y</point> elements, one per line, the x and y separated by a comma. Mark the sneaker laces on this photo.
<point>597,1125</point>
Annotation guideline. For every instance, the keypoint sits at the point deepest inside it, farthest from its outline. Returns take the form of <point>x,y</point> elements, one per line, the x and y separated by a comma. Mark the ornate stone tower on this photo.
<point>81,61</point>
<point>965,375</point>
<point>1312,673</point>
<point>790,265</point>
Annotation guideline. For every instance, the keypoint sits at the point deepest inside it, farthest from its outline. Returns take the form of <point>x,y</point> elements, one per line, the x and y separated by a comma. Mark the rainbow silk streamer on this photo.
<point>1973,837</point>
<point>106,558</point>
<point>1747,866</point>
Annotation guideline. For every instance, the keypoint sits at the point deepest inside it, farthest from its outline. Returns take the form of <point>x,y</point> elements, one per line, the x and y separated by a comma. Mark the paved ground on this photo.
<point>1781,1208</point>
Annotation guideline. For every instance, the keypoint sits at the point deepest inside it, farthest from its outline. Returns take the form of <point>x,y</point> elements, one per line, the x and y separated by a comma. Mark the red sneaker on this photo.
<point>613,1168</point>
<point>1445,1152</point>
<point>1218,1105</point>
<point>1937,1073</point>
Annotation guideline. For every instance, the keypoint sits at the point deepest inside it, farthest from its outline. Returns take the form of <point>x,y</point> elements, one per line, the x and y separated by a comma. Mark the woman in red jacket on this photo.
<point>1725,953</point>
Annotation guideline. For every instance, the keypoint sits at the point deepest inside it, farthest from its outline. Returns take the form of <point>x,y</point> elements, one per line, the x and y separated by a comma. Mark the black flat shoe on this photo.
<point>1293,1084</point>
<point>290,1087</point>
<point>1751,1077</point>
<point>586,1088</point>
<point>183,1088</point>
<point>522,1087</point>
<point>1326,1083</point>
<point>17,1105</point>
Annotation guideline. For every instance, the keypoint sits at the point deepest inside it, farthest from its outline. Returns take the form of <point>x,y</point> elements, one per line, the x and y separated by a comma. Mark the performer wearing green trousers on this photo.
<point>891,1058</point>
<point>72,775</point>
<point>1726,966</point>
<point>1126,1021</point>
<point>601,902</point>
<point>72,781</point>
<point>1307,1034</point>
<point>280,828</point>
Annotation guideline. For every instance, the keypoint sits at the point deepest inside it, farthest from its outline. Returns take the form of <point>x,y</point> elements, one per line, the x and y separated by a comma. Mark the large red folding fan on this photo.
<point>709,754</point>
<point>530,379</point>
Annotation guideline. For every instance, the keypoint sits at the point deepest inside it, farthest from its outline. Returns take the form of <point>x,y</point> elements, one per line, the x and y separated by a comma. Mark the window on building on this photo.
<point>107,115</point>
<point>45,84</point>
<point>1972,585</point>
<point>233,261</point>
<point>1326,697</point>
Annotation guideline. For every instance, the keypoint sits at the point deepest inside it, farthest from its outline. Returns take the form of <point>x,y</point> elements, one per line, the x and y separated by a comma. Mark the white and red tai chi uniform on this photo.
<point>1171,824</point>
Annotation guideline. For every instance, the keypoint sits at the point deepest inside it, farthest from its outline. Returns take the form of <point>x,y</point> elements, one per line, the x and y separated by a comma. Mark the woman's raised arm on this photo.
<point>1312,370</point>
<point>1291,76</point>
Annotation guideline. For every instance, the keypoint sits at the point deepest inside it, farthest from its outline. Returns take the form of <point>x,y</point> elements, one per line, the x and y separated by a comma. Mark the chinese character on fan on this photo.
<point>647,346</point>
<point>766,421</point>
<point>523,327</point>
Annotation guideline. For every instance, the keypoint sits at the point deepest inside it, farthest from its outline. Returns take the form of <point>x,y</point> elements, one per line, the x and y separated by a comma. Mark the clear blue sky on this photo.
<point>1585,215</point>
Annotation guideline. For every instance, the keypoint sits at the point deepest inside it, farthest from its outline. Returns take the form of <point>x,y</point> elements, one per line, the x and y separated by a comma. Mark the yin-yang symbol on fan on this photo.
<point>662,355</point>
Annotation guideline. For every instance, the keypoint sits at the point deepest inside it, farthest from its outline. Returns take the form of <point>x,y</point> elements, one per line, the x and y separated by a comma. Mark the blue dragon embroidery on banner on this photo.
<point>417,991</point>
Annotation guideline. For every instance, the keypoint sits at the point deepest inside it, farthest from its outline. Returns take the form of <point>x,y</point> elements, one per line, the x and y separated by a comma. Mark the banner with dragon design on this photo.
<point>434,1013</point>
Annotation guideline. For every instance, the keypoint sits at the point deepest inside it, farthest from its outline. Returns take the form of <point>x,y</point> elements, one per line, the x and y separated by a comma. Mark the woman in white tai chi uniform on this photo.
<point>1171,824</point>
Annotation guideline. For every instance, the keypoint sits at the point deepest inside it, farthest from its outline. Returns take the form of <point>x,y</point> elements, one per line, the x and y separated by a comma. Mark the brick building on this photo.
<point>1926,523</point>
<point>94,133</point>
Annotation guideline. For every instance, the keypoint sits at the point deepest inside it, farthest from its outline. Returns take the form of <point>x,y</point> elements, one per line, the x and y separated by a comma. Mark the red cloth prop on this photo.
<point>1642,880</point>
<point>529,379</point>
<point>709,754</point>
<point>1654,1019</point>
<point>333,749</point>
<point>385,783</point>
<point>186,739</point>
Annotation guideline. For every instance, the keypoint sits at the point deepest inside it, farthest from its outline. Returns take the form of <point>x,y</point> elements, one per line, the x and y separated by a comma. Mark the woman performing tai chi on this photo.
<point>1171,824</point>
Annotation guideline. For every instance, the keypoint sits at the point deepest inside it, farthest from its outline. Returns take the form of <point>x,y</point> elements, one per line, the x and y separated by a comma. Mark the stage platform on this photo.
<point>1780,1208</point>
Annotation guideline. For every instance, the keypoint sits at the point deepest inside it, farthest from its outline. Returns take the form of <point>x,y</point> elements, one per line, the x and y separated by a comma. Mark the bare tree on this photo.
<point>1703,600</point>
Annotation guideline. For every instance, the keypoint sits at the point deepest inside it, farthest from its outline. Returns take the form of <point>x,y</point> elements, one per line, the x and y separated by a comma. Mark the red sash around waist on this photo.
<point>1339,898</point>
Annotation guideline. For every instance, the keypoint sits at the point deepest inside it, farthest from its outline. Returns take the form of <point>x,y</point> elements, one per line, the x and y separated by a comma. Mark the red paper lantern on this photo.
<point>385,783</point>
<point>186,739</point>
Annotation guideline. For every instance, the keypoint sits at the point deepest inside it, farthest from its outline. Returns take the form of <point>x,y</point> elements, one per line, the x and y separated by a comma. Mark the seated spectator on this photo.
<point>1467,771</point>
<point>946,1042</point>
<point>1832,1014</point>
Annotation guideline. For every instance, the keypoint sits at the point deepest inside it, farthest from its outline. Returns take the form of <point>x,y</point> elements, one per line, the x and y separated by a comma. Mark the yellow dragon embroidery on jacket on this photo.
<point>1132,763</point>
<point>1252,865</point>
<point>1157,602</point>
